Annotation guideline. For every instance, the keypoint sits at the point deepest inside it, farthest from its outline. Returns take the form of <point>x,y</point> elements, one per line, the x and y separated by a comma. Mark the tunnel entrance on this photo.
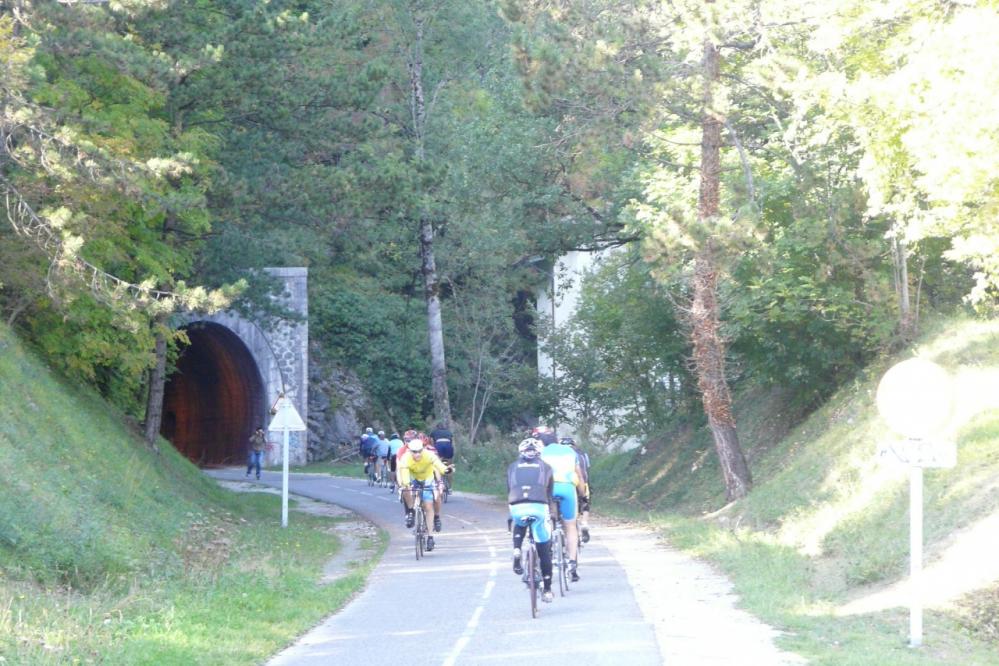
<point>215,399</point>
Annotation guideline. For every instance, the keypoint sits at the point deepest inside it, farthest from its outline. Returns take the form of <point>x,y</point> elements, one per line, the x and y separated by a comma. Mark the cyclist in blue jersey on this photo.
<point>395,443</point>
<point>568,477</point>
<point>529,492</point>
<point>381,450</point>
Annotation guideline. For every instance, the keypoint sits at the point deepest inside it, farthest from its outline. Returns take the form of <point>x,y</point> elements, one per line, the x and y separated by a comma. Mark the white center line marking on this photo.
<point>473,622</point>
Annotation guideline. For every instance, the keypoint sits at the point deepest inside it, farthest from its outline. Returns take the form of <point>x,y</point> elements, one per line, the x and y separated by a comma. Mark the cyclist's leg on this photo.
<point>567,492</point>
<point>427,497</point>
<point>438,499</point>
<point>519,513</point>
<point>543,540</point>
<point>407,505</point>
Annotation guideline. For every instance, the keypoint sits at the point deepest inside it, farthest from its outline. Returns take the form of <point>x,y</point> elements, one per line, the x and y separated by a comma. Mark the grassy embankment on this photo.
<point>820,547</point>
<point>110,553</point>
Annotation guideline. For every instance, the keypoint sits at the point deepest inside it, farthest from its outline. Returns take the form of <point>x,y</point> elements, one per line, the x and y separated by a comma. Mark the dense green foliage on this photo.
<point>170,143</point>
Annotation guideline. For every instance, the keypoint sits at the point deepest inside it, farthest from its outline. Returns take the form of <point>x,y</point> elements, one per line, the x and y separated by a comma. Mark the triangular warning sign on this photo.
<point>287,417</point>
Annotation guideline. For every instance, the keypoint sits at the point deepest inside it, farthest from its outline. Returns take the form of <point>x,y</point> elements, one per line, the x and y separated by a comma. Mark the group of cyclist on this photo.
<point>417,463</point>
<point>550,477</point>
<point>548,473</point>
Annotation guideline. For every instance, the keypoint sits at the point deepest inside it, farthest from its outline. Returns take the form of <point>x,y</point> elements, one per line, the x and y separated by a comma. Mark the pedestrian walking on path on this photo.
<point>258,442</point>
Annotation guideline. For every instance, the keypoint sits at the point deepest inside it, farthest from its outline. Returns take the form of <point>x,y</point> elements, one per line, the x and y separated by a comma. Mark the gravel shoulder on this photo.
<point>692,607</point>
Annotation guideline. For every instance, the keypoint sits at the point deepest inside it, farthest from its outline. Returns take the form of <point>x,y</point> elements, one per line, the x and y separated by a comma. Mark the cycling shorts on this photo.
<point>445,450</point>
<point>567,493</point>
<point>541,527</point>
<point>426,490</point>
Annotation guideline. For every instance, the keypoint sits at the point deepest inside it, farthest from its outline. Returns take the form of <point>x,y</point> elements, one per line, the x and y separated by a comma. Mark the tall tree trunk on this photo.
<point>435,326</point>
<point>157,386</point>
<point>709,347</point>
<point>900,261</point>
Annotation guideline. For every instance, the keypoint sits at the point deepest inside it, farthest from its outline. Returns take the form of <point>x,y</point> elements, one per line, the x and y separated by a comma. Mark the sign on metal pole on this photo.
<point>286,419</point>
<point>919,453</point>
<point>915,398</point>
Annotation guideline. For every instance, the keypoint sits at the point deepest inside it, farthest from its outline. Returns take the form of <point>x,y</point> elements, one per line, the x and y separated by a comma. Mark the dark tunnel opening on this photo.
<point>215,399</point>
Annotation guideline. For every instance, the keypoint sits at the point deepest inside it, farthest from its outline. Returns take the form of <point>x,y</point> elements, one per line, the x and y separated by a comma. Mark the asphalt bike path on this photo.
<point>462,603</point>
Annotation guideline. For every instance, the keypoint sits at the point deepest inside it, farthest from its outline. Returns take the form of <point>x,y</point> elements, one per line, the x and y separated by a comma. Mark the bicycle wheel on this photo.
<point>530,564</point>
<point>420,531</point>
<point>558,561</point>
<point>447,487</point>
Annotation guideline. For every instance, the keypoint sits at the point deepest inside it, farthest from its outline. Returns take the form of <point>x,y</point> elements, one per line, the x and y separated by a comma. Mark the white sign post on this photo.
<point>286,419</point>
<point>915,399</point>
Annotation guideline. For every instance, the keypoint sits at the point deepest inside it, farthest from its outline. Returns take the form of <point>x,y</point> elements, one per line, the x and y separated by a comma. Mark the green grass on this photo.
<point>826,523</point>
<point>112,553</point>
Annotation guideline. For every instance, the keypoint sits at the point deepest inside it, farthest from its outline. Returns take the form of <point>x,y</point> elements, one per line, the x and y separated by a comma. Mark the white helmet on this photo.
<point>530,448</point>
<point>415,445</point>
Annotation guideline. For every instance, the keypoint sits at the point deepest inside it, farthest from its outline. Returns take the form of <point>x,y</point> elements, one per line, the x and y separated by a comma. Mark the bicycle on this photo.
<point>532,566</point>
<point>420,530</point>
<point>372,471</point>
<point>560,550</point>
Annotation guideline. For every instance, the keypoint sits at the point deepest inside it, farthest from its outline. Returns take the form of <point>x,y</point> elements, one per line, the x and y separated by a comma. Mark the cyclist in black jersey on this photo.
<point>529,482</point>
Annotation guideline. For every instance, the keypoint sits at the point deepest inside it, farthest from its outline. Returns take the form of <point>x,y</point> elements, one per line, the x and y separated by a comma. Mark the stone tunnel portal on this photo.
<point>215,399</point>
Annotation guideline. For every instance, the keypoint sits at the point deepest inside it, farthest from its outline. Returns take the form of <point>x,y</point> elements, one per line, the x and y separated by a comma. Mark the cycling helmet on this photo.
<point>410,434</point>
<point>381,433</point>
<point>369,431</point>
<point>530,448</point>
<point>394,435</point>
<point>568,441</point>
<point>415,445</point>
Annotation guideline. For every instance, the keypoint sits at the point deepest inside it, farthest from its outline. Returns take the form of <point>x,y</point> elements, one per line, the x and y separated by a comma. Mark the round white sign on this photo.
<point>915,398</point>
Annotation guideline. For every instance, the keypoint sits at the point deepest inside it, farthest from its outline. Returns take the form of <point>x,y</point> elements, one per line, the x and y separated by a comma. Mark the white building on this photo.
<point>557,301</point>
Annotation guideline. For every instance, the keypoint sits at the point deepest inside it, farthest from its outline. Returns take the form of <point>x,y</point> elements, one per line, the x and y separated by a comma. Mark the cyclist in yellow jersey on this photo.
<point>423,466</point>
